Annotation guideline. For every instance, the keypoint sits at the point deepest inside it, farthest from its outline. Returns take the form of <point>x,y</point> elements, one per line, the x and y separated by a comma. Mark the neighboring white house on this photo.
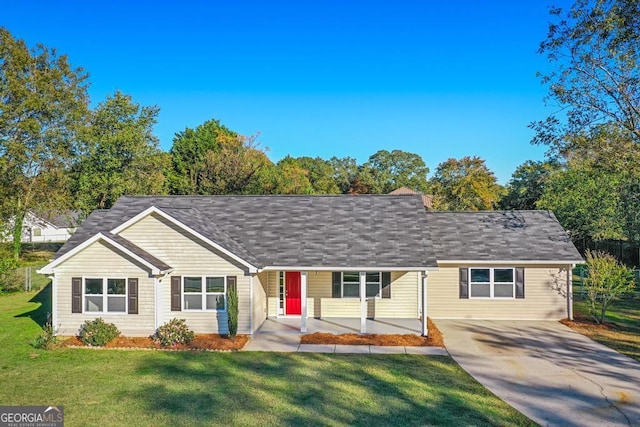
<point>41,228</point>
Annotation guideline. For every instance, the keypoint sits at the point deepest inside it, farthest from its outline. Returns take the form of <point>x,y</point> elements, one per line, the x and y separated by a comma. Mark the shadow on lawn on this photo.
<point>312,389</point>
<point>41,314</point>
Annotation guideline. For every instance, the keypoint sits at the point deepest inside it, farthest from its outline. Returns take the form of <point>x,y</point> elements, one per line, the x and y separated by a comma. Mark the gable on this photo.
<point>164,239</point>
<point>112,261</point>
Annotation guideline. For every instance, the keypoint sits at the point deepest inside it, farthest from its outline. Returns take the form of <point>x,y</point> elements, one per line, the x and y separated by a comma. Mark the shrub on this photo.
<point>232,311</point>
<point>97,332</point>
<point>173,333</point>
<point>607,279</point>
<point>9,280</point>
<point>47,339</point>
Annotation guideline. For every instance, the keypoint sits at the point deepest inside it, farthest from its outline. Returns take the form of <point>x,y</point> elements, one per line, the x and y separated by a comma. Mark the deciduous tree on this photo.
<point>594,49</point>
<point>43,104</point>
<point>527,185</point>
<point>120,155</point>
<point>607,279</point>
<point>465,184</point>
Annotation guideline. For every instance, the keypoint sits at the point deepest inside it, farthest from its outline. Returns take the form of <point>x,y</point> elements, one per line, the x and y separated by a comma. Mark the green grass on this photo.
<point>114,387</point>
<point>621,331</point>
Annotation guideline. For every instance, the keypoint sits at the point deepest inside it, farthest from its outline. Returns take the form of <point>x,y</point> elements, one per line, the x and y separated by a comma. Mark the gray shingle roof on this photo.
<point>370,231</point>
<point>500,236</point>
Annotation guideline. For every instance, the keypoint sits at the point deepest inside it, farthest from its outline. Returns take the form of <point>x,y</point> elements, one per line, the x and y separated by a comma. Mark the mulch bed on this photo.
<point>585,322</point>
<point>212,342</point>
<point>408,340</point>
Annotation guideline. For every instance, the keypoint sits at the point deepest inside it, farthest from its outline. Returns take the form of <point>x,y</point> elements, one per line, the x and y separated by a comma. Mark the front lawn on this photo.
<point>116,387</point>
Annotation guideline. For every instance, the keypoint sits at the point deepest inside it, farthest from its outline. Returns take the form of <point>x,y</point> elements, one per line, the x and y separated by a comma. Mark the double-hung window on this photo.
<point>104,295</point>
<point>491,283</point>
<point>204,293</point>
<point>351,284</point>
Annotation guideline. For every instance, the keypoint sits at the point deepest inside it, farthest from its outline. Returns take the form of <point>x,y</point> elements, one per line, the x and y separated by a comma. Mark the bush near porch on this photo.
<point>199,388</point>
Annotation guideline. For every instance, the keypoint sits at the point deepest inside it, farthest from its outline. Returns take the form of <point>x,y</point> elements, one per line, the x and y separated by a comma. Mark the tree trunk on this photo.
<point>17,234</point>
<point>603,312</point>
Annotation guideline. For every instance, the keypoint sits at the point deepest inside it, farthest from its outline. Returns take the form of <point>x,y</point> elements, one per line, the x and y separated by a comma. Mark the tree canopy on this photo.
<point>43,105</point>
<point>595,50</point>
<point>119,155</point>
<point>465,184</point>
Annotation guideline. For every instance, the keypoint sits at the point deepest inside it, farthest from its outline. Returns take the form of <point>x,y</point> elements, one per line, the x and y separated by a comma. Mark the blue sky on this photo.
<point>334,78</point>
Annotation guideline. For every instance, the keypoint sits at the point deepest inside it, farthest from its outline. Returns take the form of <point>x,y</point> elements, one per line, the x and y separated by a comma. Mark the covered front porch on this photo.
<point>374,302</point>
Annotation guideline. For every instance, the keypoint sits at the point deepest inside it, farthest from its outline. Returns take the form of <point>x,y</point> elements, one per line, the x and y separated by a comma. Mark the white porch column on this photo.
<point>303,297</point>
<point>570,292</point>
<point>425,328</point>
<point>363,302</point>
<point>156,302</point>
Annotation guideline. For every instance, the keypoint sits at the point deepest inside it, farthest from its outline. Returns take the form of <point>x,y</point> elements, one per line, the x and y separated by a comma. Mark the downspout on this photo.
<point>570,291</point>
<point>54,303</point>
<point>156,305</point>
<point>425,327</point>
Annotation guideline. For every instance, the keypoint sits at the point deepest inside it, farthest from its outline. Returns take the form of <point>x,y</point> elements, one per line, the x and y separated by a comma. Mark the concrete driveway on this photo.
<point>550,373</point>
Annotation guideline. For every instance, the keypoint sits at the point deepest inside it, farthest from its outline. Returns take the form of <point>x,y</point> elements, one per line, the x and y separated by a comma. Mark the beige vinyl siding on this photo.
<point>259,300</point>
<point>190,257</point>
<point>271,282</point>
<point>402,304</point>
<point>99,260</point>
<point>545,291</point>
<point>404,297</point>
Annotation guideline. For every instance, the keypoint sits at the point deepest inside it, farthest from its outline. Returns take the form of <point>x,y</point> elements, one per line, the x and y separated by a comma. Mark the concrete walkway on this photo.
<point>550,373</point>
<point>283,335</point>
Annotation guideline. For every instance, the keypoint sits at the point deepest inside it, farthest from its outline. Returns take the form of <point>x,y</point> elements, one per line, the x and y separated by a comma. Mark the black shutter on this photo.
<point>337,285</point>
<point>232,283</point>
<point>176,297</point>
<point>464,283</point>
<point>76,295</point>
<point>386,284</point>
<point>520,282</point>
<point>133,296</point>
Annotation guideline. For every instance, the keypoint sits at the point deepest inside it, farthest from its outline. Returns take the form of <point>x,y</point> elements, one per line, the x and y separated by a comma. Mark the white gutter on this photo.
<point>495,262</point>
<point>343,268</point>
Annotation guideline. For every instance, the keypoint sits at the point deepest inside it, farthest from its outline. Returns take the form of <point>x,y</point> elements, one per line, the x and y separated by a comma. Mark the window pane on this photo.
<point>215,284</point>
<point>351,290</point>
<point>502,290</point>
<point>373,290</point>
<point>193,302</point>
<point>93,304</point>
<point>116,304</point>
<point>93,286</point>
<point>483,290</point>
<point>373,277</point>
<point>351,277</point>
<point>215,302</point>
<point>116,287</point>
<point>192,284</point>
<point>480,275</point>
<point>503,275</point>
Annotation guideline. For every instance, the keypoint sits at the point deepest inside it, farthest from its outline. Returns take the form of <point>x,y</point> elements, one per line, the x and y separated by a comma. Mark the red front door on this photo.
<point>292,281</point>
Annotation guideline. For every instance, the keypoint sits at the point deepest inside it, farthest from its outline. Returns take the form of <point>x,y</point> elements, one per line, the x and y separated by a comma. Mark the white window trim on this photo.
<point>105,295</point>
<point>378,294</point>
<point>204,293</point>
<point>492,283</point>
